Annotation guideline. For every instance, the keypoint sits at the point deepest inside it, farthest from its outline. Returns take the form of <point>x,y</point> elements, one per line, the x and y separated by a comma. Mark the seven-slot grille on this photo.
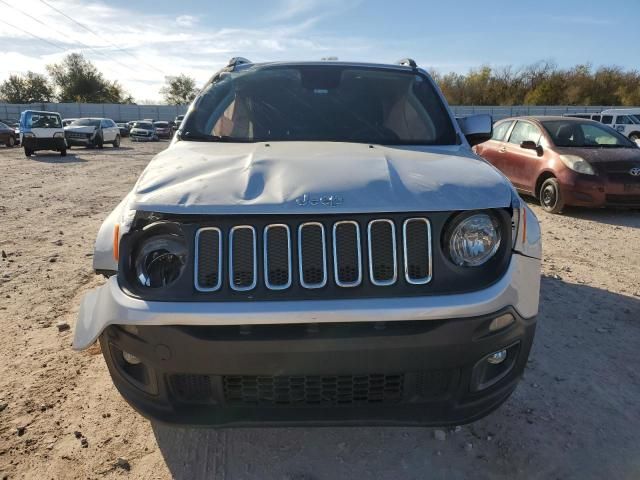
<point>312,253</point>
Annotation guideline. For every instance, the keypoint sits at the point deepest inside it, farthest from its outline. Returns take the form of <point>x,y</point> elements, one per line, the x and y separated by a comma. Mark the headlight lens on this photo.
<point>58,135</point>
<point>474,240</point>
<point>160,260</point>
<point>577,164</point>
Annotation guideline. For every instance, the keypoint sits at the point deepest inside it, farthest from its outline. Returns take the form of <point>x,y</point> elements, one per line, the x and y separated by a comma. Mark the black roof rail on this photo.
<point>407,62</point>
<point>236,61</point>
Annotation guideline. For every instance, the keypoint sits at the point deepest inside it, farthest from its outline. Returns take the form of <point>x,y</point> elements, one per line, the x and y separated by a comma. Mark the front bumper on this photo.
<point>34,143</point>
<point>593,191</point>
<point>410,373</point>
<point>364,361</point>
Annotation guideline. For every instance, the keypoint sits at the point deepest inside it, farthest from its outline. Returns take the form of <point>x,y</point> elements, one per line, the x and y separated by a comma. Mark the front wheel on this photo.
<point>550,196</point>
<point>116,142</point>
<point>63,152</point>
<point>27,152</point>
<point>99,142</point>
<point>11,142</point>
<point>634,137</point>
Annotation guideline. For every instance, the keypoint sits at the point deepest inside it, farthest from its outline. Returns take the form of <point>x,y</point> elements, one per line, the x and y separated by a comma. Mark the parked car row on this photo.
<point>566,161</point>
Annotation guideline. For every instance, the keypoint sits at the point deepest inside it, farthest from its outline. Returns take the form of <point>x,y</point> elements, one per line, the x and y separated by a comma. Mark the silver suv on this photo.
<point>318,245</point>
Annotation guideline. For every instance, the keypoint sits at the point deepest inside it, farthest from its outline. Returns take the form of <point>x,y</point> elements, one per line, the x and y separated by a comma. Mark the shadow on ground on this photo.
<point>574,415</point>
<point>56,158</point>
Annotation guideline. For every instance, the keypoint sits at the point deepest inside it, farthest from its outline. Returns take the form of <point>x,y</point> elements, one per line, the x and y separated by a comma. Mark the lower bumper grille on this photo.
<point>311,390</point>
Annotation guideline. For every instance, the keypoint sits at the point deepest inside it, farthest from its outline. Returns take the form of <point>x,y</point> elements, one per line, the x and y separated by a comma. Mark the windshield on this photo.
<point>43,120</point>
<point>86,122</point>
<point>143,125</point>
<point>580,135</point>
<point>321,103</point>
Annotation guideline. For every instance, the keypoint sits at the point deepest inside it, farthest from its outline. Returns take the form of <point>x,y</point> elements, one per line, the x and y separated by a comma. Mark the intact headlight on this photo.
<point>160,259</point>
<point>474,240</point>
<point>577,164</point>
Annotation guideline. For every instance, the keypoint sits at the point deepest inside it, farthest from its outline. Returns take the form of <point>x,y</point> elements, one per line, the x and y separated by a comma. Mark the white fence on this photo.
<point>117,112</point>
<point>124,113</point>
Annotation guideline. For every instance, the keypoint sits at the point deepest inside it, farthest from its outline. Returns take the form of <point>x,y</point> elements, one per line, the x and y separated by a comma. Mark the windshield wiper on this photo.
<point>207,138</point>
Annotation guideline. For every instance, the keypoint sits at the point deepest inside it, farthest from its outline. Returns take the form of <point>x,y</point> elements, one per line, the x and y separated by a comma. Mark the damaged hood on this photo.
<point>301,177</point>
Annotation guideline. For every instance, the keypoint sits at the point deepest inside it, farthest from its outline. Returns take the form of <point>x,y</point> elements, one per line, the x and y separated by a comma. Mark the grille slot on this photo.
<point>277,256</point>
<point>313,390</point>
<point>416,243</point>
<point>192,388</point>
<point>383,265</point>
<point>312,255</point>
<point>208,261</point>
<point>347,255</point>
<point>242,258</point>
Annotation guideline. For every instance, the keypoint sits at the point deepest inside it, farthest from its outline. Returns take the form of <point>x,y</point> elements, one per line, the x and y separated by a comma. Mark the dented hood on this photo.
<point>300,177</point>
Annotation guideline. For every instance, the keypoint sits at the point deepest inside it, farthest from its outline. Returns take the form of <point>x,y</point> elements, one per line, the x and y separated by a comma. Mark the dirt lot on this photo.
<point>575,415</point>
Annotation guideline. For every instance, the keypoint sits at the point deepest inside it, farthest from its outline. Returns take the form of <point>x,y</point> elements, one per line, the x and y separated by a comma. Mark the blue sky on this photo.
<point>196,37</point>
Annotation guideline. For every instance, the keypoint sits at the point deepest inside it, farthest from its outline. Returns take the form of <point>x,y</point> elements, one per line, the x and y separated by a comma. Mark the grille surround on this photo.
<point>196,272</point>
<point>446,279</point>
<point>266,257</point>
<point>301,272</point>
<point>232,280</point>
<point>394,250</point>
<point>405,248</point>
<point>336,257</point>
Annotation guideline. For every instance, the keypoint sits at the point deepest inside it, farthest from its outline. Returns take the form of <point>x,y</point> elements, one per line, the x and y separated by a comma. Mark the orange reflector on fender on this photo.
<point>116,242</point>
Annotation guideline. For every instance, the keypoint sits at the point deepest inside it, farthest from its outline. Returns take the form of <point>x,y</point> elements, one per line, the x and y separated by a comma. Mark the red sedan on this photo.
<point>566,161</point>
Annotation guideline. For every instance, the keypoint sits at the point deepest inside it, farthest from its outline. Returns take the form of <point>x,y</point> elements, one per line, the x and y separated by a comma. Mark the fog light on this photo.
<point>132,359</point>
<point>501,322</point>
<point>494,358</point>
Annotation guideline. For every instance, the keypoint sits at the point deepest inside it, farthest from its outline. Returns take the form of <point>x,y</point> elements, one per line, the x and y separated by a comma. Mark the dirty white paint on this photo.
<point>241,178</point>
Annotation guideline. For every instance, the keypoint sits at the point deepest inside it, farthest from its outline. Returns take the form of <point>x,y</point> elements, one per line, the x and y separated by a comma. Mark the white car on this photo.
<point>624,120</point>
<point>319,245</point>
<point>92,132</point>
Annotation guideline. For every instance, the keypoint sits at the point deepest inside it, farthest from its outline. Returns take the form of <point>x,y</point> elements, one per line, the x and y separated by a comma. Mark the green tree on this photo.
<point>29,88</point>
<point>179,90</point>
<point>78,80</point>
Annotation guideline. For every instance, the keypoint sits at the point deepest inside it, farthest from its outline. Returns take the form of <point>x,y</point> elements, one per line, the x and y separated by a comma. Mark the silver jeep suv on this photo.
<point>319,245</point>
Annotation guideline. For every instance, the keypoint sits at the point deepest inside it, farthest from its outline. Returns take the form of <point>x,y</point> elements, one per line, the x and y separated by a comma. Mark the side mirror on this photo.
<point>476,128</point>
<point>531,145</point>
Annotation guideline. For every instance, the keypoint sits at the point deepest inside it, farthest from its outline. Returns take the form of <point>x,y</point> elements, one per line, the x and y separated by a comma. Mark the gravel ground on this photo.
<point>576,414</point>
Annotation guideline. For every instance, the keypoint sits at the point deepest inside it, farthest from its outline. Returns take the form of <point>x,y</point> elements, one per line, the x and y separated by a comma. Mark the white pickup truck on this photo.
<point>318,245</point>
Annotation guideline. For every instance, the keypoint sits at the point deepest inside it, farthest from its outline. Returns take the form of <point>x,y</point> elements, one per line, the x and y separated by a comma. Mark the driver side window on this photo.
<point>524,131</point>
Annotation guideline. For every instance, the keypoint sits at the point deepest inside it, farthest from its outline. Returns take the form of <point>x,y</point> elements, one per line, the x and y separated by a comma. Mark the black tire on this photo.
<point>63,152</point>
<point>634,136</point>
<point>99,142</point>
<point>11,142</point>
<point>116,142</point>
<point>27,152</point>
<point>550,196</point>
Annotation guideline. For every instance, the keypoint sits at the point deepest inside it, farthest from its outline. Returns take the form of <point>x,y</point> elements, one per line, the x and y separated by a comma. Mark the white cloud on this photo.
<point>140,49</point>
<point>186,20</point>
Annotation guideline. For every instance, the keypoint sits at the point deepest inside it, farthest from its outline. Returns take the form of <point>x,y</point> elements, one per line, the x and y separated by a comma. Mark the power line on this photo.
<point>60,33</point>
<point>97,35</point>
<point>35,36</point>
